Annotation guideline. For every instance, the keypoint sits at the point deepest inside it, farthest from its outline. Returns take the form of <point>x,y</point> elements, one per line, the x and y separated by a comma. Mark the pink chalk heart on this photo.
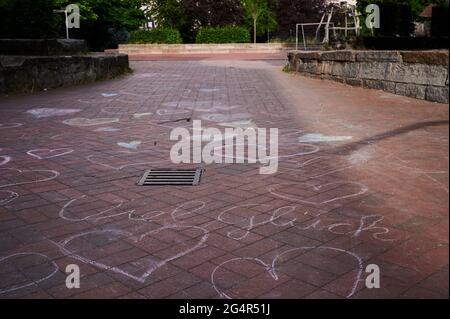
<point>228,286</point>
<point>318,194</point>
<point>46,153</point>
<point>15,177</point>
<point>145,269</point>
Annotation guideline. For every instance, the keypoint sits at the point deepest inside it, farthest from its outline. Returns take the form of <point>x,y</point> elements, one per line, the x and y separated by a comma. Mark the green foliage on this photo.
<point>158,35</point>
<point>103,22</point>
<point>229,34</point>
<point>168,13</point>
<point>28,19</point>
<point>189,16</point>
<point>118,14</point>
<point>397,16</point>
<point>416,6</point>
<point>259,16</point>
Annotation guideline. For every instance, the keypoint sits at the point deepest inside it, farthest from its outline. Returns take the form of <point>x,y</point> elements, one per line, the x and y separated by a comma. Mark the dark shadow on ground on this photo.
<point>352,147</point>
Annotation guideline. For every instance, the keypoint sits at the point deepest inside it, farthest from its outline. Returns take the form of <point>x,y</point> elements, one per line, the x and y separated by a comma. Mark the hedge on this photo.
<point>158,35</point>
<point>223,35</point>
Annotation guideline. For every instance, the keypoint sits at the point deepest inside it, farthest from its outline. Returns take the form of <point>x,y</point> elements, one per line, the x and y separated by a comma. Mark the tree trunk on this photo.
<point>254,30</point>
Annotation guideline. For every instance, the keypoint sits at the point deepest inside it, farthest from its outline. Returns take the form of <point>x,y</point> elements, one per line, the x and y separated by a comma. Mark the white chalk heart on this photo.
<point>273,272</point>
<point>107,129</point>
<point>169,112</point>
<point>46,153</point>
<point>48,112</point>
<point>131,145</point>
<point>352,189</point>
<point>109,94</point>
<point>240,124</point>
<point>10,125</point>
<point>90,122</point>
<point>139,115</point>
<point>22,177</point>
<point>4,159</point>
<point>7,197</point>
<point>109,161</point>
<point>320,138</point>
<point>33,279</point>
<point>151,265</point>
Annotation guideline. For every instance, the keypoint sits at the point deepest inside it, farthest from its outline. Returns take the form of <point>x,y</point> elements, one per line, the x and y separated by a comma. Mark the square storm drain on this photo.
<point>171,177</point>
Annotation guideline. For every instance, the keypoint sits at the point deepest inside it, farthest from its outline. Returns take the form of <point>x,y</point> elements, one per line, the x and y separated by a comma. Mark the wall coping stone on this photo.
<point>433,57</point>
<point>42,47</point>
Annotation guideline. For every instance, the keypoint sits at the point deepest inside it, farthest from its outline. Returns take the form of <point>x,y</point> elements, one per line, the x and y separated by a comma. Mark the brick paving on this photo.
<point>70,160</point>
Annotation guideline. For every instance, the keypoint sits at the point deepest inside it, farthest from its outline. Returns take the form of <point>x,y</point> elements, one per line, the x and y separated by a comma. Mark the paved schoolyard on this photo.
<point>363,179</point>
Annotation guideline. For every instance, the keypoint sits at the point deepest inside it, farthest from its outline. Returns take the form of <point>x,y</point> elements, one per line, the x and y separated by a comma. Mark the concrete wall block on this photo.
<point>378,56</point>
<point>308,56</point>
<point>354,81</point>
<point>411,90</point>
<point>344,69</point>
<point>327,67</point>
<point>37,73</point>
<point>343,56</point>
<point>313,68</point>
<point>437,94</point>
<point>380,85</point>
<point>374,70</point>
<point>418,74</point>
<point>437,57</point>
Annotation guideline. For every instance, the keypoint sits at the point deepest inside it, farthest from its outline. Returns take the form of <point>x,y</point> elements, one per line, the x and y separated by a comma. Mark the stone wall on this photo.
<point>267,48</point>
<point>34,73</point>
<point>42,47</point>
<point>418,74</point>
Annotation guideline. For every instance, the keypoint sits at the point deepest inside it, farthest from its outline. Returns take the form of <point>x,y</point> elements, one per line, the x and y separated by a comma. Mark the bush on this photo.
<point>158,35</point>
<point>223,35</point>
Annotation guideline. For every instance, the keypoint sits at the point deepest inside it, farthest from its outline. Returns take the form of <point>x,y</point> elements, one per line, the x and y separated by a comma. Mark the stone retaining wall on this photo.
<point>42,47</point>
<point>418,74</point>
<point>34,73</point>
<point>204,48</point>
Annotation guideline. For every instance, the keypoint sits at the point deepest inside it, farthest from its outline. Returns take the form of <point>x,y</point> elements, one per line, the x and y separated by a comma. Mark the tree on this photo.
<point>111,20</point>
<point>28,19</point>
<point>291,12</point>
<point>398,16</point>
<point>213,13</point>
<point>188,16</point>
<point>168,13</point>
<point>259,10</point>
<point>417,6</point>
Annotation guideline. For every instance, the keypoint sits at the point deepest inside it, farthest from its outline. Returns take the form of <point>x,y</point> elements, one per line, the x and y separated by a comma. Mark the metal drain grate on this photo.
<point>171,177</point>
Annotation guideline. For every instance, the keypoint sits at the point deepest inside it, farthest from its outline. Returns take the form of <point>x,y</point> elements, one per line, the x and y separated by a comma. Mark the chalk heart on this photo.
<point>48,269</point>
<point>7,197</point>
<point>144,270</point>
<point>16,177</point>
<point>49,112</point>
<point>131,145</point>
<point>90,122</point>
<point>46,153</point>
<point>275,270</point>
<point>10,125</point>
<point>4,159</point>
<point>112,162</point>
<point>328,193</point>
<point>169,112</point>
